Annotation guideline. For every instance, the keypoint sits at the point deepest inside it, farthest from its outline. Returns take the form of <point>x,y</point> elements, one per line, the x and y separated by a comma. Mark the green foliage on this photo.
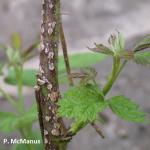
<point>82,104</point>
<point>100,48</point>
<point>16,41</point>
<point>80,60</point>
<point>116,48</point>
<point>20,147</point>
<point>142,58</point>
<point>28,77</point>
<point>143,44</point>
<point>117,42</point>
<point>88,74</point>
<point>126,109</point>
<point>26,119</point>
<point>7,119</point>
<point>10,122</point>
<point>26,147</point>
<point>76,60</point>
<point>13,56</point>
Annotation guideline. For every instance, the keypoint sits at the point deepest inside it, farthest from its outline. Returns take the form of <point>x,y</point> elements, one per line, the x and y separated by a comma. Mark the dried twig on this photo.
<point>65,53</point>
<point>97,129</point>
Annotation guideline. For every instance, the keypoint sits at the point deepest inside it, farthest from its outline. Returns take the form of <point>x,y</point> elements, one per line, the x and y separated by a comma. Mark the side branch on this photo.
<point>65,53</point>
<point>97,129</point>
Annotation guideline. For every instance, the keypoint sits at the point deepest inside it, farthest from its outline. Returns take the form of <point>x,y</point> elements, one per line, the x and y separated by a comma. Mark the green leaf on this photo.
<point>10,122</point>
<point>26,147</point>
<point>10,53</point>
<point>100,48</point>
<point>28,77</point>
<point>143,44</point>
<point>13,56</point>
<point>80,60</point>
<point>6,120</point>
<point>126,109</point>
<point>117,42</point>
<point>27,119</point>
<point>142,58</point>
<point>81,103</point>
<point>16,41</point>
<point>20,147</point>
<point>62,78</point>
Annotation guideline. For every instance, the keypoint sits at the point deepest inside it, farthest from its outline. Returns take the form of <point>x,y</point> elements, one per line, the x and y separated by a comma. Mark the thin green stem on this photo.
<point>116,69</point>
<point>111,79</point>
<point>95,82</point>
<point>120,69</point>
<point>18,71</point>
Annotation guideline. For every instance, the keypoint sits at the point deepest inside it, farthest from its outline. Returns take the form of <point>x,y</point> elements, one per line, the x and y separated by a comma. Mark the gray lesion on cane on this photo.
<point>47,118</point>
<point>42,29</point>
<point>41,70</point>
<point>47,48</point>
<point>50,31</point>
<point>43,12</point>
<point>53,96</point>
<point>37,88</point>
<point>40,81</point>
<point>51,27</point>
<point>46,141</point>
<point>51,5</point>
<point>55,132</point>
<point>51,66</point>
<point>49,86</point>
<point>53,24</point>
<point>57,125</point>
<point>55,118</point>
<point>42,46</point>
<point>45,79</point>
<point>54,110</point>
<point>50,107</point>
<point>45,132</point>
<point>50,55</point>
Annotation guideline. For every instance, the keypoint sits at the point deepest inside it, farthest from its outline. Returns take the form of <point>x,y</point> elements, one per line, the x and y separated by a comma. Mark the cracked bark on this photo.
<point>47,88</point>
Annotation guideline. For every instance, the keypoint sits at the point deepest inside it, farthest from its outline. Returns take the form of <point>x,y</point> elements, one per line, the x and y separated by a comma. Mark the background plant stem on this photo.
<point>97,129</point>
<point>65,53</point>
<point>19,71</point>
